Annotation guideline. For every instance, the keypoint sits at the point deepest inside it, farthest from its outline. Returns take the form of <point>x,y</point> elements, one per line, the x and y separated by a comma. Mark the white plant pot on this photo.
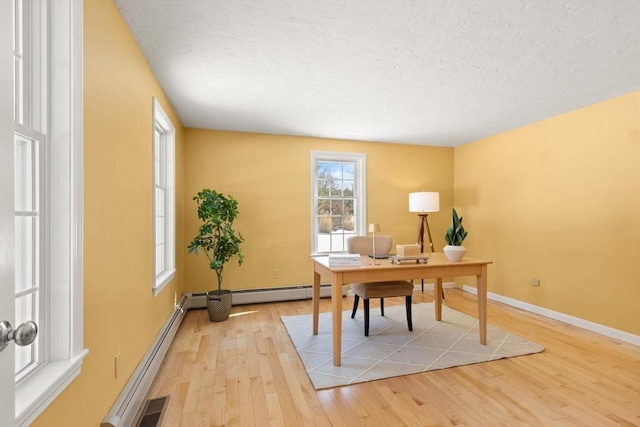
<point>454,253</point>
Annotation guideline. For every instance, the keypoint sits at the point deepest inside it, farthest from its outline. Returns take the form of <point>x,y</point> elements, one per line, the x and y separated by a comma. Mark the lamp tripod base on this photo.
<point>424,224</point>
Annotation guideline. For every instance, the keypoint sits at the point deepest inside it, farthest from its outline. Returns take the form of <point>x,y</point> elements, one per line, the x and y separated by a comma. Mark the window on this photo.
<point>338,199</point>
<point>163,198</point>
<point>30,148</point>
<point>30,272</point>
<point>47,185</point>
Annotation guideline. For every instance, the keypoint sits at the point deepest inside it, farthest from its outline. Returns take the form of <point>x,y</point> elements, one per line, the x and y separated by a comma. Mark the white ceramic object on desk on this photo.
<point>454,253</point>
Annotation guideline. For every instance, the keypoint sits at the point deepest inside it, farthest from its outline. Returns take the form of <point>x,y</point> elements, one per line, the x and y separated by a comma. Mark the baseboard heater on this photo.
<point>254,296</point>
<point>130,401</point>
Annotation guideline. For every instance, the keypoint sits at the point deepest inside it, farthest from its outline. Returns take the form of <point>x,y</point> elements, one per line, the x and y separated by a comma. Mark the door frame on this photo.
<point>7,237</point>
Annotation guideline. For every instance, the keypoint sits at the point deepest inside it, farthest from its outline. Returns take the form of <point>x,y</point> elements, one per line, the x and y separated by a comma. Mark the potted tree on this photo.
<point>454,237</point>
<point>219,242</point>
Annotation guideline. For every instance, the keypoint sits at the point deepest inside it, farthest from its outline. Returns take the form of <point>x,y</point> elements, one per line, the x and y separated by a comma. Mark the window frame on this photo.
<point>360,189</point>
<point>58,90</point>
<point>164,168</point>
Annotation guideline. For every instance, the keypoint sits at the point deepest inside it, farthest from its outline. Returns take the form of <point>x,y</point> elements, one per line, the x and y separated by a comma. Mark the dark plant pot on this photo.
<point>219,305</point>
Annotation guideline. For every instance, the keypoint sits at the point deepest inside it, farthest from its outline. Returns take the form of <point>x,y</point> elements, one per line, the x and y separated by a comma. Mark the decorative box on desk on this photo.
<point>417,259</point>
<point>346,260</point>
<point>408,250</point>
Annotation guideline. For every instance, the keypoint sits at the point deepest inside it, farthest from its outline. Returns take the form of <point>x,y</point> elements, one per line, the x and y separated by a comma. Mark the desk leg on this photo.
<point>481,284</point>
<point>316,301</point>
<point>336,303</point>
<point>438,298</point>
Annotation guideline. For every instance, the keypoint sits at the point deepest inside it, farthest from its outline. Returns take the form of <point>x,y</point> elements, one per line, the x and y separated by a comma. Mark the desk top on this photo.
<point>435,259</point>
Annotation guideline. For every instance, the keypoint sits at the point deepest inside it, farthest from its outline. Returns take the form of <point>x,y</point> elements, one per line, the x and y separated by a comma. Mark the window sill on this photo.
<point>36,392</point>
<point>163,280</point>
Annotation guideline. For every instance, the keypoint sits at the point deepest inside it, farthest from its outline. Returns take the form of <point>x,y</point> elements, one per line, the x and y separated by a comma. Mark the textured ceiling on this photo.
<point>431,72</point>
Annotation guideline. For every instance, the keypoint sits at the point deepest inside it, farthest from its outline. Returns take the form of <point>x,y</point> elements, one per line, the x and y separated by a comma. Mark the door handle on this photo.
<point>23,335</point>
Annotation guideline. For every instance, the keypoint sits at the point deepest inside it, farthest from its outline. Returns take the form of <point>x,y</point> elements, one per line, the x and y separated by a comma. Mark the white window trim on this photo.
<point>361,199</point>
<point>65,353</point>
<point>161,119</point>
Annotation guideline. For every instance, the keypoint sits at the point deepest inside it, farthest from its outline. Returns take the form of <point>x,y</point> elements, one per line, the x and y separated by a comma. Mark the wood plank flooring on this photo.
<point>246,372</point>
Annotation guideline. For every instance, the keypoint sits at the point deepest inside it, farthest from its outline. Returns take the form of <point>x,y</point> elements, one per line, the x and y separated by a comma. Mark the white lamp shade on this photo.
<point>374,228</point>
<point>424,201</point>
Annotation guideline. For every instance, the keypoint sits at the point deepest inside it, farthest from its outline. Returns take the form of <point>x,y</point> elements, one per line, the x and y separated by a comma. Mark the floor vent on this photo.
<point>152,412</point>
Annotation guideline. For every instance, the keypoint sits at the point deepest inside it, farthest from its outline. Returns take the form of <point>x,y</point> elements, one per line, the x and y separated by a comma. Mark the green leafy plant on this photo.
<point>216,236</point>
<point>456,232</point>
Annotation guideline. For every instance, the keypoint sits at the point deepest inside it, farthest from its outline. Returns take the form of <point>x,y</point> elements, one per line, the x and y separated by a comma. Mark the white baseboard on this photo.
<point>571,320</point>
<point>261,295</point>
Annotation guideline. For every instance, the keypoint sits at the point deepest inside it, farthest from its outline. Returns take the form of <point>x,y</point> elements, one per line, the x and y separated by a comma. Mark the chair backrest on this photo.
<point>363,245</point>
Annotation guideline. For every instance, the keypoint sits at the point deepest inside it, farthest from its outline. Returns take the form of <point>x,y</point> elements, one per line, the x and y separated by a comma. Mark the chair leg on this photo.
<point>366,317</point>
<point>409,321</point>
<point>381,306</point>
<point>356,300</point>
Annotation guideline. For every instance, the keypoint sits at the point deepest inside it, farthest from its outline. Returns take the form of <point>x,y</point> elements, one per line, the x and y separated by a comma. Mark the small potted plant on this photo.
<point>454,237</point>
<point>219,242</point>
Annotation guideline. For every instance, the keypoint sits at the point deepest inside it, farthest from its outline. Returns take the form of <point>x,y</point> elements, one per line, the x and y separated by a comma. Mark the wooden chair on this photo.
<point>363,245</point>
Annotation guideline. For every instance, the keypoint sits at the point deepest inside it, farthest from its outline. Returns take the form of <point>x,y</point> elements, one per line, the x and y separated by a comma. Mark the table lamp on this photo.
<point>372,229</point>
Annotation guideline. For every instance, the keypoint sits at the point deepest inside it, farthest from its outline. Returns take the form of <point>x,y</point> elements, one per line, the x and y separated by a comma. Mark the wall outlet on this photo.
<point>276,273</point>
<point>535,282</point>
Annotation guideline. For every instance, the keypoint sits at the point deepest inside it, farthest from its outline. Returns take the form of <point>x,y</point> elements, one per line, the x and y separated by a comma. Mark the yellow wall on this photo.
<point>559,200</point>
<point>270,176</point>
<point>120,313</point>
<point>571,180</point>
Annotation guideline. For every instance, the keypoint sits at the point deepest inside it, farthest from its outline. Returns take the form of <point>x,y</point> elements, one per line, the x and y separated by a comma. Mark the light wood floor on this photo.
<point>246,372</point>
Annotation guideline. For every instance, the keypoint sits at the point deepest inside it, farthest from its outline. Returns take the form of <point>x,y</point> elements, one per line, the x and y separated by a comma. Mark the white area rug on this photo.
<point>391,350</point>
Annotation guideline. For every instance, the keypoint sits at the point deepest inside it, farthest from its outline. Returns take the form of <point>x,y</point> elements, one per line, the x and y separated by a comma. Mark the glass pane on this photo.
<point>24,311</point>
<point>26,244</point>
<point>156,145</point>
<point>335,170</point>
<point>324,242</point>
<point>325,180</point>
<point>156,172</point>
<point>347,223</point>
<point>161,159</point>
<point>159,230</point>
<point>18,64</point>
<point>336,224</point>
<point>337,242</point>
<point>322,168</point>
<point>336,189</point>
<point>348,170</point>
<point>332,242</point>
<point>348,188</point>
<point>24,308</point>
<point>324,207</point>
<point>339,225</point>
<point>159,258</point>
<point>24,173</point>
<point>159,202</point>
<point>324,224</point>
<point>323,189</point>
<point>337,207</point>
<point>161,145</point>
<point>348,207</point>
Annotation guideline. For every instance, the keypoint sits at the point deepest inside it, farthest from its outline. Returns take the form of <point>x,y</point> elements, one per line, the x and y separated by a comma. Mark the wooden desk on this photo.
<point>437,267</point>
